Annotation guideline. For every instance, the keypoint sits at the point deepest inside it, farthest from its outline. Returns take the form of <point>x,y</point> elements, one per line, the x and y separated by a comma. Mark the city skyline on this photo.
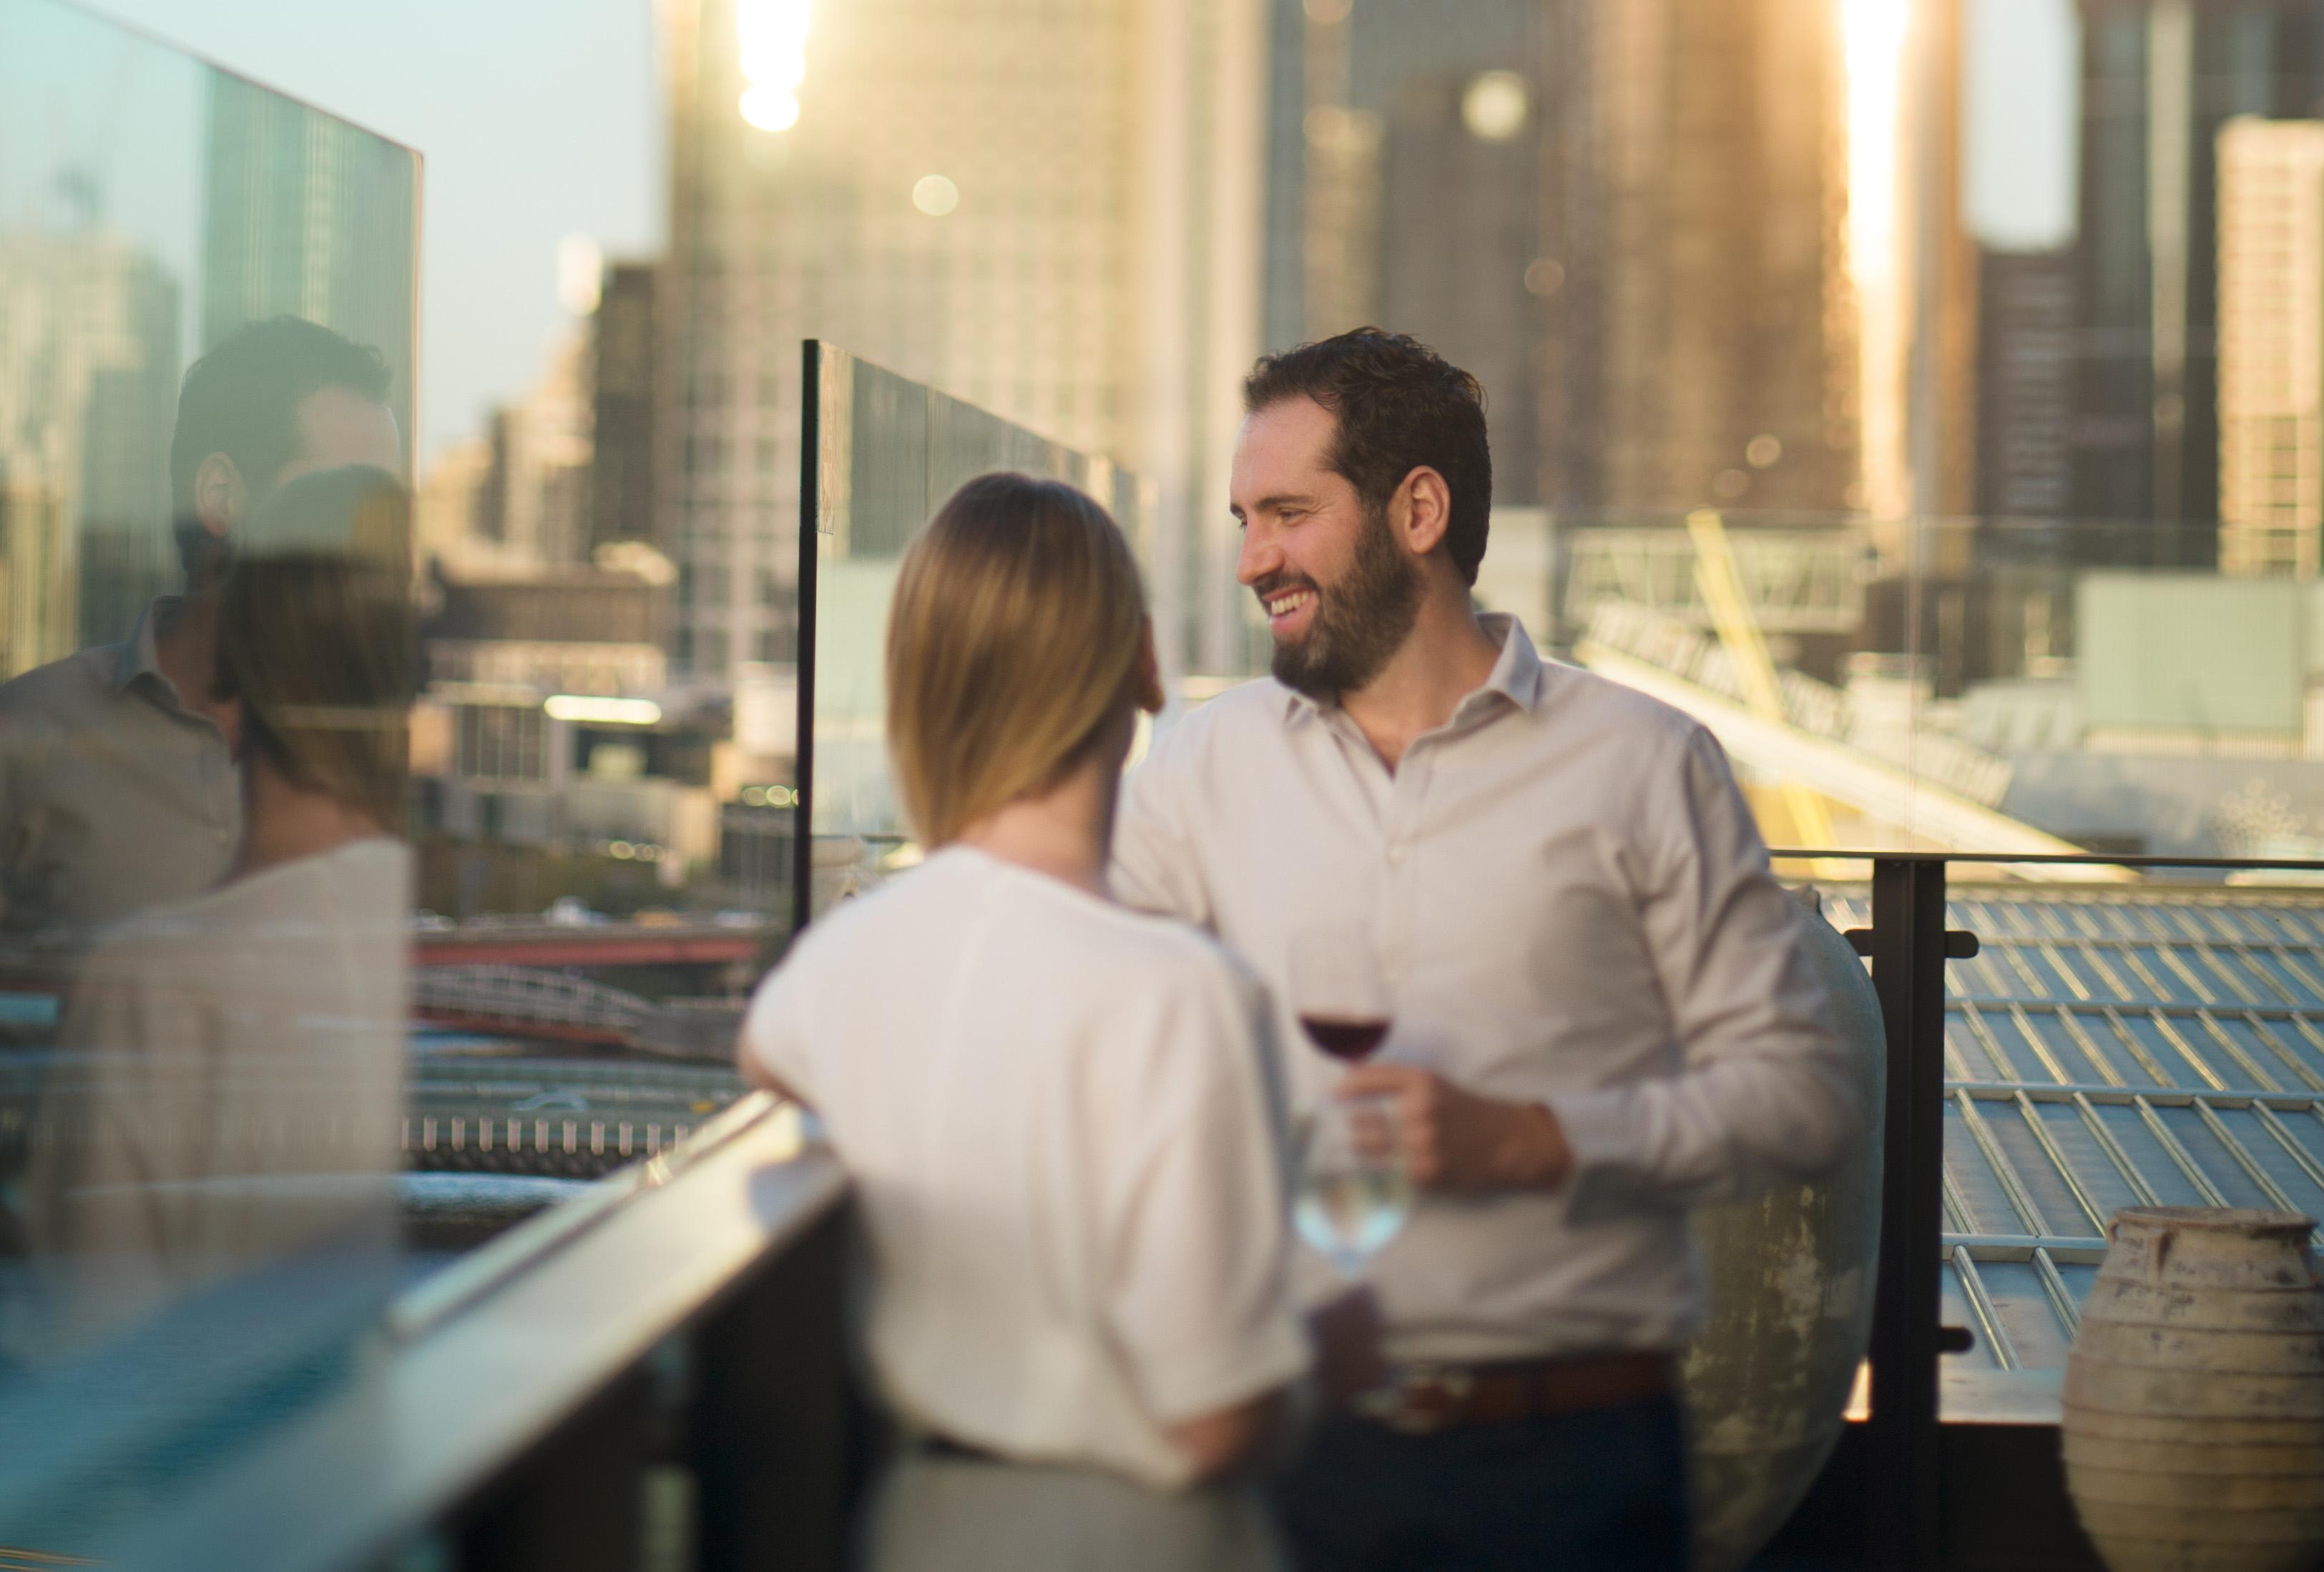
<point>589,118</point>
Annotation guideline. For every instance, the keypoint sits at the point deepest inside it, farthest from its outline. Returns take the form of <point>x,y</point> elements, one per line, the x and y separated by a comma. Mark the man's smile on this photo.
<point>1284,605</point>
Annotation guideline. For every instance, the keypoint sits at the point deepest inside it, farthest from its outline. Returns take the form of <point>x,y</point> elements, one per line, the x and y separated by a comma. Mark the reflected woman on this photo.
<point>235,1078</point>
<point>1061,1117</point>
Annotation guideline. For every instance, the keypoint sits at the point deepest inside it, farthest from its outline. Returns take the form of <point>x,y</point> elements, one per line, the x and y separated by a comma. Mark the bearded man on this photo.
<point>1601,1013</point>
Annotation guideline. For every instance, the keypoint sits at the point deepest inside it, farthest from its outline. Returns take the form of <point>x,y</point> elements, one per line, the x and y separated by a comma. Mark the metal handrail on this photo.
<point>2101,859</point>
<point>507,1404</point>
<point>491,1265</point>
<point>1908,944</point>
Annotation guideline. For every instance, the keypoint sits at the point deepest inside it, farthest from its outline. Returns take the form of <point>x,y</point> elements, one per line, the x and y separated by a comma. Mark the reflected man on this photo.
<point>117,784</point>
<point>1601,1014</point>
<point>235,1069</point>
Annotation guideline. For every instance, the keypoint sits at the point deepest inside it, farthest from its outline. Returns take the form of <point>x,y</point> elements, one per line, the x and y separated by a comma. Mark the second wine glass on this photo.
<point>1354,1191</point>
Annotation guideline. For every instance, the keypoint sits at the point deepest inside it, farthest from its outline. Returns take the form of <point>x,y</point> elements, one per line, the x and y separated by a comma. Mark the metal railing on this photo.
<point>684,1321</point>
<point>1908,943</point>
<point>680,1323</point>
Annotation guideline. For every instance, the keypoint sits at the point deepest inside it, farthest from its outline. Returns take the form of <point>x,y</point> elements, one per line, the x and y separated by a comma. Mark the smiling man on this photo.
<point>1601,1014</point>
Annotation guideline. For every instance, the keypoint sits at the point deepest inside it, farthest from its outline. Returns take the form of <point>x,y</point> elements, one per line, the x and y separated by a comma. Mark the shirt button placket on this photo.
<point>1396,925</point>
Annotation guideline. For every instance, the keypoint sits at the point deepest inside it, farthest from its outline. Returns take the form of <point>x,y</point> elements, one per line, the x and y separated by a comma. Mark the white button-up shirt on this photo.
<point>1573,907</point>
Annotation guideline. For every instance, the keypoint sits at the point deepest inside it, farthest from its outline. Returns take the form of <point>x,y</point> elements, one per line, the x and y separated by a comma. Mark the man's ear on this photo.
<point>1421,510</point>
<point>220,496</point>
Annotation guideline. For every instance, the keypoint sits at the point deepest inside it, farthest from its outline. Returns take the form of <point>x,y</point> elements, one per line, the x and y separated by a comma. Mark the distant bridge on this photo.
<point>611,944</point>
<point>525,1001</point>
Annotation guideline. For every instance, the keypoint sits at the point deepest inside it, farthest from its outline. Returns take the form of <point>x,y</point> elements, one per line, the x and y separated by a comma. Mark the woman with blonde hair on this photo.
<point>1061,1117</point>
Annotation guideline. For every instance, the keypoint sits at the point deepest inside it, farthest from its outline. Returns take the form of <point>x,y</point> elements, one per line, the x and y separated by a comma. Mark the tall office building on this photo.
<point>2025,384</point>
<point>307,217</point>
<point>88,371</point>
<point>2159,78</point>
<point>1051,211</point>
<point>1402,151</point>
<point>2271,346</point>
<point>543,446</point>
<point>1755,288</point>
<point>518,501</point>
<point>621,362</point>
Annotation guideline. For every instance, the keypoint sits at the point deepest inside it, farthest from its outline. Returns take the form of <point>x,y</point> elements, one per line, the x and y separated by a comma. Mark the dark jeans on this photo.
<point>1605,1488</point>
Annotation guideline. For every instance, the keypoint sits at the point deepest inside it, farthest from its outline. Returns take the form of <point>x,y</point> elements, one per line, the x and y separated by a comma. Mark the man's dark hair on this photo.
<point>1398,405</point>
<point>242,399</point>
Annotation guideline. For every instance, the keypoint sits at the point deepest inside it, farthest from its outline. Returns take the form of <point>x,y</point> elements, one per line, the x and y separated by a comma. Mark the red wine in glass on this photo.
<point>1341,1038</point>
<point>1336,990</point>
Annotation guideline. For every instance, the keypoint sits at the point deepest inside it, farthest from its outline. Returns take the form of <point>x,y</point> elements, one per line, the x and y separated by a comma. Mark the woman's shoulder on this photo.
<point>1138,966</point>
<point>967,898</point>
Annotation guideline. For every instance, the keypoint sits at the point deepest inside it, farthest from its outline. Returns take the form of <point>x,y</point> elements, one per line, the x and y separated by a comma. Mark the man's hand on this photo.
<point>1456,1140</point>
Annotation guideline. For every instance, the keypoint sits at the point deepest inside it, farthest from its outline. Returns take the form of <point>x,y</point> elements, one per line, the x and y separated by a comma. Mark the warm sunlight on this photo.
<point>1873,34</point>
<point>772,35</point>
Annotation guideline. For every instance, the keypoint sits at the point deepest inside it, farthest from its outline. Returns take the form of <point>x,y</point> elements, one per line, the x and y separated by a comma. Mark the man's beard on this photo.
<point>1358,624</point>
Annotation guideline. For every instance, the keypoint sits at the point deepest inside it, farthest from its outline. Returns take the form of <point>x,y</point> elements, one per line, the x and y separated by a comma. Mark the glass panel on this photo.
<point>207,663</point>
<point>888,451</point>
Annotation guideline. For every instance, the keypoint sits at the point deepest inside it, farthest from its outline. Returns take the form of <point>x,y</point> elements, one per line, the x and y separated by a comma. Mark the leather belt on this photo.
<point>1426,1398</point>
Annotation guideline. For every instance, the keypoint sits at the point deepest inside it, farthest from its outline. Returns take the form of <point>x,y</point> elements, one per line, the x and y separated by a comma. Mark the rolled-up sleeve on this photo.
<point>1192,1191</point>
<point>1761,1094</point>
<point>774,1035</point>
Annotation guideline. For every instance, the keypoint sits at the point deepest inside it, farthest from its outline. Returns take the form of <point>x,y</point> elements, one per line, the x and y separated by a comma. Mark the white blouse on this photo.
<point>1063,1123</point>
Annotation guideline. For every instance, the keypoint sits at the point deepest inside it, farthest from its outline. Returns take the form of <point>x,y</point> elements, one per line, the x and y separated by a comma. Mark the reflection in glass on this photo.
<point>233,1063</point>
<point>888,450</point>
<point>207,659</point>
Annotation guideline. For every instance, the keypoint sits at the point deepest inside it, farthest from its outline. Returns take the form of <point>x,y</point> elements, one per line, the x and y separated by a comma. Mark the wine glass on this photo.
<point>1336,989</point>
<point>1354,1191</point>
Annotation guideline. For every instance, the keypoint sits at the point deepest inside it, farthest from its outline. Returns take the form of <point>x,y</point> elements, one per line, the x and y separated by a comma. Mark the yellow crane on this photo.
<point>1720,584</point>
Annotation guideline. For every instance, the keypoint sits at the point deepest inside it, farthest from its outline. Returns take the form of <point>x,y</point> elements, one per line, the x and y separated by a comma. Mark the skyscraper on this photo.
<point>1050,211</point>
<point>2159,78</point>
<point>86,389</point>
<point>518,501</point>
<point>2025,383</point>
<point>1699,302</point>
<point>307,217</point>
<point>1401,177</point>
<point>2271,346</point>
<point>622,359</point>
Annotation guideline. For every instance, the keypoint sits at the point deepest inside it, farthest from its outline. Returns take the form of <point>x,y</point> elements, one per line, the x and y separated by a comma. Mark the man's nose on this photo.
<point>1259,557</point>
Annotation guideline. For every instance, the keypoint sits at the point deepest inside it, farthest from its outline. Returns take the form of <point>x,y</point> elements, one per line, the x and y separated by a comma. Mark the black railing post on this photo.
<point>774,1448</point>
<point>1907,946</point>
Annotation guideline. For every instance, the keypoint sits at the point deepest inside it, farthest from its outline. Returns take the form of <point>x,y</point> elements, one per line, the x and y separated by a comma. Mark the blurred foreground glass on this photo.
<point>207,655</point>
<point>885,452</point>
<point>1354,1190</point>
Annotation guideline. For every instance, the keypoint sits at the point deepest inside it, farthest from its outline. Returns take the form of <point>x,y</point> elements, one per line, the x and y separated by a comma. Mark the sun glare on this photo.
<point>770,36</point>
<point>1872,37</point>
<point>770,108</point>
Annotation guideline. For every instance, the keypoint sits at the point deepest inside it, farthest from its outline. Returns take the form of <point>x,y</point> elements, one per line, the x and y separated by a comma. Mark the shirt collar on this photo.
<point>1517,673</point>
<point>139,654</point>
<point>1515,676</point>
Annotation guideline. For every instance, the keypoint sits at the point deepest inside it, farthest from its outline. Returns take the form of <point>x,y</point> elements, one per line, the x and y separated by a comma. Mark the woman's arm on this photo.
<point>755,1073</point>
<point>1345,1334</point>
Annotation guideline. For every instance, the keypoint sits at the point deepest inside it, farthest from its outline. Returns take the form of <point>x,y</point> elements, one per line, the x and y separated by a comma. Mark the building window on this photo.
<point>501,742</point>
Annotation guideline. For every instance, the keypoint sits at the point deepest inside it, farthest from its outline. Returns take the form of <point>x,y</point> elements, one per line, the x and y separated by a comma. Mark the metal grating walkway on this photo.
<point>2107,1048</point>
